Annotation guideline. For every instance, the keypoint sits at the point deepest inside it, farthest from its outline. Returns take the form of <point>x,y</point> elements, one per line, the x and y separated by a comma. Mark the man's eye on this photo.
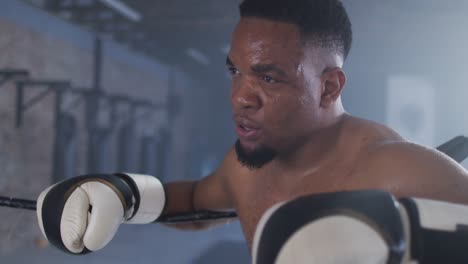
<point>233,71</point>
<point>269,79</point>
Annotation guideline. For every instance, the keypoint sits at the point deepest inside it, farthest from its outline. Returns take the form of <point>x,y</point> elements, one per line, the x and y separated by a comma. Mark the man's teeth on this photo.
<point>245,128</point>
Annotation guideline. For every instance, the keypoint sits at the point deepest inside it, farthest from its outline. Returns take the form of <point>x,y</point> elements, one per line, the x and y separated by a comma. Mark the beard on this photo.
<point>254,159</point>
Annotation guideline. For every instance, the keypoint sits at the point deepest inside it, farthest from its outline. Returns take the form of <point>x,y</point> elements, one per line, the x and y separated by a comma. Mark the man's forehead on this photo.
<point>265,40</point>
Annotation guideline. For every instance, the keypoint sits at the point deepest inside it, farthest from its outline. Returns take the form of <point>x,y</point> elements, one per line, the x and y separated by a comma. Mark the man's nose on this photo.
<point>245,96</point>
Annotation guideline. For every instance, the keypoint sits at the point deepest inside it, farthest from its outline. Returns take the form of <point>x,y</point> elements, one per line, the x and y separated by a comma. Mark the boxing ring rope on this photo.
<point>197,216</point>
<point>17,203</point>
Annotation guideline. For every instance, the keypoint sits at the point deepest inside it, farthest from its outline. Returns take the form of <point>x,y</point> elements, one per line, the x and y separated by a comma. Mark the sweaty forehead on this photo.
<point>265,41</point>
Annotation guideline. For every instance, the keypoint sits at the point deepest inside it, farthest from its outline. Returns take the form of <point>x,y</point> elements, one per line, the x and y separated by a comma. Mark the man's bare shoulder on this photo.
<point>372,132</point>
<point>409,169</point>
<point>413,157</point>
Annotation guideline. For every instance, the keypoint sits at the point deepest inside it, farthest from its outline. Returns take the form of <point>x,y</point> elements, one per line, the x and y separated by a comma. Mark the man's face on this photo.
<point>275,90</point>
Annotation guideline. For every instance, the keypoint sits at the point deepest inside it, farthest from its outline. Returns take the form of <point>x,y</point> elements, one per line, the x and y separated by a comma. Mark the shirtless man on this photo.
<point>294,138</point>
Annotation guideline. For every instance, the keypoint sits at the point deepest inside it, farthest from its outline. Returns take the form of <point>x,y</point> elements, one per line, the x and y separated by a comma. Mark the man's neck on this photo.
<point>316,149</point>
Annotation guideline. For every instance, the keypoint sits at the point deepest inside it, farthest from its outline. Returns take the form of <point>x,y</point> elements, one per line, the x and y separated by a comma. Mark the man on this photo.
<point>294,138</point>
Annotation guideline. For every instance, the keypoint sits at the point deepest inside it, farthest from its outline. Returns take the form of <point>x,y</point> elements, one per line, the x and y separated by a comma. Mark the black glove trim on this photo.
<point>136,193</point>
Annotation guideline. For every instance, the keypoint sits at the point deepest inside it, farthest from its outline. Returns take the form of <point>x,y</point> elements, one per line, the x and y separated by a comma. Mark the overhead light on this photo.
<point>123,9</point>
<point>198,56</point>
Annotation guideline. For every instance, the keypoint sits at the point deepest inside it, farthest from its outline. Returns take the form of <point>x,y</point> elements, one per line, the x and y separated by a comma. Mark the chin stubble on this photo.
<point>256,158</point>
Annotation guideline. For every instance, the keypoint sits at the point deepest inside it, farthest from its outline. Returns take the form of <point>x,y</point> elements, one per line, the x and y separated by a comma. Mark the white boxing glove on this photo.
<point>82,214</point>
<point>366,226</point>
<point>332,228</point>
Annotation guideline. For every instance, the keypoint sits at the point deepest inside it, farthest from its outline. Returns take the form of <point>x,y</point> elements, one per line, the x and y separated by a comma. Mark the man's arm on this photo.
<point>209,193</point>
<point>407,169</point>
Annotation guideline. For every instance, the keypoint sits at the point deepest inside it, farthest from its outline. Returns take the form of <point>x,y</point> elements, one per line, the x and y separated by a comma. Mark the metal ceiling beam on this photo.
<point>123,9</point>
<point>167,31</point>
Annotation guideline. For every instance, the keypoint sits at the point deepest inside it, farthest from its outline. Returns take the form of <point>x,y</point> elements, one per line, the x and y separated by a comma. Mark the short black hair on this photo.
<point>323,21</point>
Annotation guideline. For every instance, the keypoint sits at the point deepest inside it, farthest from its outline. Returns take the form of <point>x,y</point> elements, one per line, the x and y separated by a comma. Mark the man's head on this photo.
<point>285,61</point>
<point>322,22</point>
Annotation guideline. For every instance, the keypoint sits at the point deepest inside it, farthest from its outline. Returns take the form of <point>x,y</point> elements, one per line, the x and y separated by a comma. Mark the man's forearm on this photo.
<point>179,197</point>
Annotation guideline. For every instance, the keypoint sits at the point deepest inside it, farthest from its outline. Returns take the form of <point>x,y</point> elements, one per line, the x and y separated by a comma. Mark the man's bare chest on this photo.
<point>263,191</point>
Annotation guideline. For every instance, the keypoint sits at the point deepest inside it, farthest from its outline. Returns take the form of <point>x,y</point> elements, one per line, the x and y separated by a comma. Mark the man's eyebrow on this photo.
<point>260,68</point>
<point>265,68</point>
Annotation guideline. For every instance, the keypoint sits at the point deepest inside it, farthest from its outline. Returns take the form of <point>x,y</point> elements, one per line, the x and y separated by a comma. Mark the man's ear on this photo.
<point>333,81</point>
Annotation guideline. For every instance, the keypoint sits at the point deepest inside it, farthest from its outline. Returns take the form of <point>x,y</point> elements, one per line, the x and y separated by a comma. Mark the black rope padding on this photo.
<point>197,216</point>
<point>456,148</point>
<point>17,203</point>
<point>173,218</point>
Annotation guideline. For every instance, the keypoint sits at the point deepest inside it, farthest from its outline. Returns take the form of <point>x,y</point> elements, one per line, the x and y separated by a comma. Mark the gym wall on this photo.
<point>52,49</point>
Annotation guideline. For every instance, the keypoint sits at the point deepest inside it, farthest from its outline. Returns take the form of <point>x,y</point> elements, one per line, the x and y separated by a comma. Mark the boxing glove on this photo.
<point>361,227</point>
<point>82,214</point>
